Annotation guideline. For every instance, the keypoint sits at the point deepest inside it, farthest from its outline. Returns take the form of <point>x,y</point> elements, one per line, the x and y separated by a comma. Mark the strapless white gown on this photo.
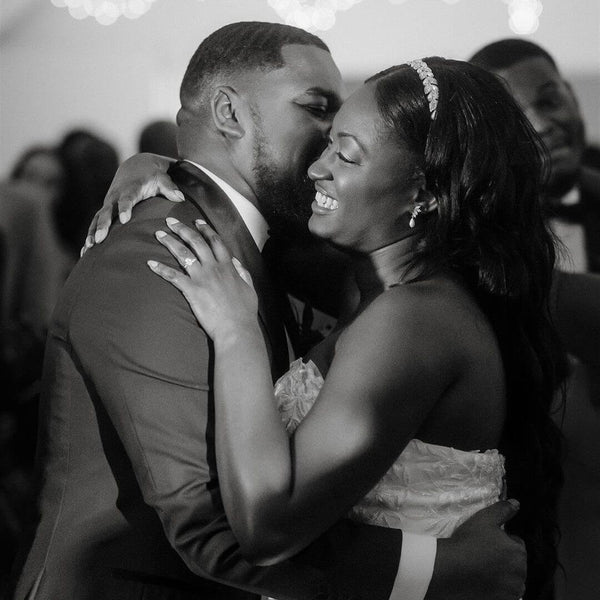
<point>429,489</point>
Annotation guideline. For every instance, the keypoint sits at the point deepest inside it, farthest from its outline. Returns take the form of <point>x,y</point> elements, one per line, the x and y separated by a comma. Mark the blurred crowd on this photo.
<point>47,202</point>
<point>46,205</point>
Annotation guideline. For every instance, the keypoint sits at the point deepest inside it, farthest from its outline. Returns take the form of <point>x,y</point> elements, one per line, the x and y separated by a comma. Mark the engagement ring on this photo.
<point>188,262</point>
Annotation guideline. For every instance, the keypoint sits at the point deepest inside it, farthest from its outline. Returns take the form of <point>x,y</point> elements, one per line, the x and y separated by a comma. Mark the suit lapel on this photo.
<point>590,201</point>
<point>222,215</point>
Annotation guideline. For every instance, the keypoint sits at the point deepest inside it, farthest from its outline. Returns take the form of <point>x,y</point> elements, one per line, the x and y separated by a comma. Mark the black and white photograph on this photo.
<point>300,300</point>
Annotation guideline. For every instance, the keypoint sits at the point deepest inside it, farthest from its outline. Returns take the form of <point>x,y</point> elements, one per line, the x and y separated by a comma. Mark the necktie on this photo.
<point>270,255</point>
<point>300,331</point>
<point>572,213</point>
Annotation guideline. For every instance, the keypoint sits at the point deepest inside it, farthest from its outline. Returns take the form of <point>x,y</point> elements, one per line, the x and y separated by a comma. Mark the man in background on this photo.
<point>573,202</point>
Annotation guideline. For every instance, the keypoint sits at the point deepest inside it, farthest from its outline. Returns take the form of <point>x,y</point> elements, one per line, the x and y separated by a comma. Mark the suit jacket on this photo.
<point>129,504</point>
<point>579,503</point>
<point>589,182</point>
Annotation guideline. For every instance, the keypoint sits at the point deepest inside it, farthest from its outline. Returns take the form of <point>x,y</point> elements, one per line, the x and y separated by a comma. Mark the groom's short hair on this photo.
<point>242,46</point>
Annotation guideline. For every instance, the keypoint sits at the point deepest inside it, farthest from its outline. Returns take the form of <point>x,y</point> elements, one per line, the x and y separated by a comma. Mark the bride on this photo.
<point>405,415</point>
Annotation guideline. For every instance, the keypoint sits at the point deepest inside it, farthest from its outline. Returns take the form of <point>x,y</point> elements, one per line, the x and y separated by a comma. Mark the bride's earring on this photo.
<point>413,216</point>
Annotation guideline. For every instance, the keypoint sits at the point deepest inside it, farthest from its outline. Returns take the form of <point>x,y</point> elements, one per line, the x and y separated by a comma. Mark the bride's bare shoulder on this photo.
<point>423,310</point>
<point>436,296</point>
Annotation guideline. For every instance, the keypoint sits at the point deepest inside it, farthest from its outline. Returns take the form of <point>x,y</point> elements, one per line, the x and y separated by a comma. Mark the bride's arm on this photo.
<point>141,176</point>
<point>281,493</point>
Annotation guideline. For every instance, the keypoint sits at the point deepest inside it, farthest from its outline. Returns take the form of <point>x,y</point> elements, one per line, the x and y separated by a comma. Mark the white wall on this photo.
<point>56,72</point>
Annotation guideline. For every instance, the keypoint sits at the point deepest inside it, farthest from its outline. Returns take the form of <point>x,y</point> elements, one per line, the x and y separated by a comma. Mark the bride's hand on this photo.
<point>216,286</point>
<point>139,177</point>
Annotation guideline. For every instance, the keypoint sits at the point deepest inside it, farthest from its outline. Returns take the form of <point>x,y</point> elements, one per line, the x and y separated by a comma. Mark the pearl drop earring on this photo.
<point>413,216</point>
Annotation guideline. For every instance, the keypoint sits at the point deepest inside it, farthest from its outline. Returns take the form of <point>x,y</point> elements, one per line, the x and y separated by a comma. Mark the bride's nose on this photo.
<point>319,170</point>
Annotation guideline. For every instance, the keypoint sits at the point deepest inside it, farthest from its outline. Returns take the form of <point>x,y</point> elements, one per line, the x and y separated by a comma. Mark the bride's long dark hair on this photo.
<point>485,165</point>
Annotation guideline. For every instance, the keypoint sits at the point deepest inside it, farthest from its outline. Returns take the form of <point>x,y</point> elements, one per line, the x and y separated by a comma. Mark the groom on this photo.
<point>130,504</point>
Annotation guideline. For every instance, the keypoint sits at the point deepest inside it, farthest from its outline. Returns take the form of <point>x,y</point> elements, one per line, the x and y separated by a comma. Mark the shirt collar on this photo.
<point>572,197</point>
<point>253,219</point>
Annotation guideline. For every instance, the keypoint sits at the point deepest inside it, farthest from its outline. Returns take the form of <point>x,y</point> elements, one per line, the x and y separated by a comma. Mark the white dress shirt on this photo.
<point>253,219</point>
<point>572,257</point>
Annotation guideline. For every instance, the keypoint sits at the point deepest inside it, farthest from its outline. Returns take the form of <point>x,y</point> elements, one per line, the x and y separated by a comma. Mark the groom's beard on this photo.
<point>284,196</point>
<point>284,201</point>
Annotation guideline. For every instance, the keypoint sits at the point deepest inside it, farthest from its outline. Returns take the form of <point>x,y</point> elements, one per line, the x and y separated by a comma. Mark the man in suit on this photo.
<point>573,201</point>
<point>130,504</point>
<point>573,191</point>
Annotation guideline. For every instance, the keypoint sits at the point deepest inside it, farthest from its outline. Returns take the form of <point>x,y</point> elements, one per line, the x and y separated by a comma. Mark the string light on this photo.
<point>106,12</point>
<point>524,15</point>
<point>312,15</point>
<point>318,15</point>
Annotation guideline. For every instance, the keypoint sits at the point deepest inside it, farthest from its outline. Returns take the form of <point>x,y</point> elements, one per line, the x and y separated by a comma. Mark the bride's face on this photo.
<point>365,179</point>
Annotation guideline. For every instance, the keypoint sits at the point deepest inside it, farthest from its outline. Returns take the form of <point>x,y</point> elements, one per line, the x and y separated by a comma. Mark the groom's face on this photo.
<point>292,113</point>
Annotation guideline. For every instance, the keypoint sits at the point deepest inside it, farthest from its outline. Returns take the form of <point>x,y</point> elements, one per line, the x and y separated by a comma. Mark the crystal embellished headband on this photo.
<point>430,84</point>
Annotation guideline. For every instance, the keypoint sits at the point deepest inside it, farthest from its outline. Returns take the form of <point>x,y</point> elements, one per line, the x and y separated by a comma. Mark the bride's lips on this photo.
<point>323,203</point>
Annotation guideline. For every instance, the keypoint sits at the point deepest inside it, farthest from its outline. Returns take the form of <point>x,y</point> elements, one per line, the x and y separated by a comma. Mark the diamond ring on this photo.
<point>189,261</point>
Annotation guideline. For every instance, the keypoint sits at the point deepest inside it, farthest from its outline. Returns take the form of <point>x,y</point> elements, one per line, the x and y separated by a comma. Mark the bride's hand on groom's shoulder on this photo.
<point>480,560</point>
<point>217,287</point>
<point>141,176</point>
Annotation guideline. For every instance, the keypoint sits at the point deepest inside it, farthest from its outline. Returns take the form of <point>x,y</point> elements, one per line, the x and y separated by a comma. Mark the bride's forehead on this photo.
<point>359,110</point>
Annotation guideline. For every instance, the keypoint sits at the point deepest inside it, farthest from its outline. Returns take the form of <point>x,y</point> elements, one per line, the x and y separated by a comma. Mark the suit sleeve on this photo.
<point>151,365</point>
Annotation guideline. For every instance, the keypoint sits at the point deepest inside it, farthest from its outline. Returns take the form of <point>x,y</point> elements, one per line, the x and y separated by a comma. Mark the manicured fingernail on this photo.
<point>160,234</point>
<point>98,236</point>
<point>179,195</point>
<point>152,264</point>
<point>199,222</point>
<point>236,262</point>
<point>171,221</point>
<point>82,252</point>
<point>514,503</point>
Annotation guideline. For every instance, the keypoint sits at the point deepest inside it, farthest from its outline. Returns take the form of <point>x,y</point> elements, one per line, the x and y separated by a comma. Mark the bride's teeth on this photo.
<point>325,201</point>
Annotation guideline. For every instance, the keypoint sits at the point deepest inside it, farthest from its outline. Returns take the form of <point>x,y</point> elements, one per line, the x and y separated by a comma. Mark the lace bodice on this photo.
<point>429,489</point>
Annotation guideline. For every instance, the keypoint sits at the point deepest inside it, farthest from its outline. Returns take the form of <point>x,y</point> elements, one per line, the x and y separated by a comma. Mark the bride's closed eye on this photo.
<point>343,157</point>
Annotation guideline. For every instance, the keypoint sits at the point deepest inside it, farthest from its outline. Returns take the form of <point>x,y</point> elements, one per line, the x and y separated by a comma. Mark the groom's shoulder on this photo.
<point>113,277</point>
<point>122,256</point>
<point>147,217</point>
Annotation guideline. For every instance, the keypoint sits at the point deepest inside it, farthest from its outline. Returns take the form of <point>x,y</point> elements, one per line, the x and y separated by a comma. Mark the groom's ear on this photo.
<point>225,106</point>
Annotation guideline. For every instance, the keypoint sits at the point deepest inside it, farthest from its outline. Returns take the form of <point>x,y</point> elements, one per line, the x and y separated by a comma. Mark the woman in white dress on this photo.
<point>430,182</point>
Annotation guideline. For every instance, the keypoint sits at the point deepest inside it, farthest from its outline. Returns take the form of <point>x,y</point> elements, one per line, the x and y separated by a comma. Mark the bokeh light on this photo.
<point>106,12</point>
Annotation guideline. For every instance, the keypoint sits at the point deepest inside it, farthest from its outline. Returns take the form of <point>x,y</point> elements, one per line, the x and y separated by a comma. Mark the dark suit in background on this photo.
<point>578,296</point>
<point>589,185</point>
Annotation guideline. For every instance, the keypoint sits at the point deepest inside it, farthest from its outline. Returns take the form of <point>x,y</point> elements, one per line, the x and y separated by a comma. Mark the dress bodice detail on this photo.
<point>429,489</point>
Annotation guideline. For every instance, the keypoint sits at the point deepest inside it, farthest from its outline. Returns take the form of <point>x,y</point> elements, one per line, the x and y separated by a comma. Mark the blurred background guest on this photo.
<point>41,166</point>
<point>33,265</point>
<point>573,202</point>
<point>90,164</point>
<point>159,137</point>
<point>591,156</point>
<point>45,207</point>
<point>573,191</point>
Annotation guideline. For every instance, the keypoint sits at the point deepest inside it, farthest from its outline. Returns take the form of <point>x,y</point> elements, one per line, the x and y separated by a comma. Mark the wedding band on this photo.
<point>189,261</point>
